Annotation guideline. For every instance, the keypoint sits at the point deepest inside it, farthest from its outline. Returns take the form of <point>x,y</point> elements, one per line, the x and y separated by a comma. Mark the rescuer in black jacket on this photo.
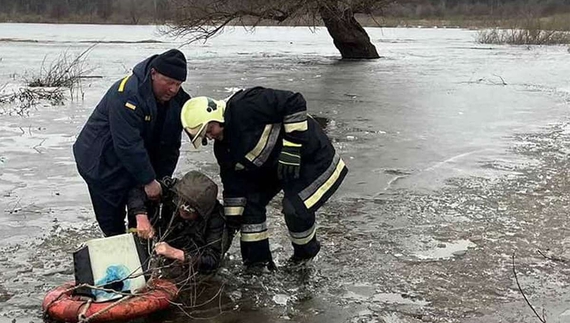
<point>132,138</point>
<point>264,143</point>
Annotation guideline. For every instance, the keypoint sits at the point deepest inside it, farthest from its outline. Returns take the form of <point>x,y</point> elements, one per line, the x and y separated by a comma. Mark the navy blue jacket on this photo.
<point>116,150</point>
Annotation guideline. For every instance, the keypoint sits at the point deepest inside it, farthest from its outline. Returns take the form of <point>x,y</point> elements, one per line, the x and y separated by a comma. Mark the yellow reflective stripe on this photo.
<point>130,106</point>
<point>297,126</point>
<point>253,237</point>
<point>309,202</point>
<point>123,82</point>
<point>286,163</point>
<point>305,240</point>
<point>233,210</point>
<point>289,154</point>
<point>287,143</point>
<point>260,144</point>
<point>132,230</point>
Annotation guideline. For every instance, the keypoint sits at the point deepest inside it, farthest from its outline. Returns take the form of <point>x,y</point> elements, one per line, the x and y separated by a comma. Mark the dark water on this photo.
<point>457,157</point>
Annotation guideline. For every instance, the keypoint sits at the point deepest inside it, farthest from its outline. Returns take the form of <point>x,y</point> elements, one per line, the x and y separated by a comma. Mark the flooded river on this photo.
<point>458,158</point>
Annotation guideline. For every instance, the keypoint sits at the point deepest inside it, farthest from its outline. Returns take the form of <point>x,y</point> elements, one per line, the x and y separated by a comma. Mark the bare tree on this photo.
<point>202,19</point>
<point>104,9</point>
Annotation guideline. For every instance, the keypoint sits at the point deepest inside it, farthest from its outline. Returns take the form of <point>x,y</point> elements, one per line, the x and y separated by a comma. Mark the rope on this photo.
<point>81,315</point>
<point>88,319</point>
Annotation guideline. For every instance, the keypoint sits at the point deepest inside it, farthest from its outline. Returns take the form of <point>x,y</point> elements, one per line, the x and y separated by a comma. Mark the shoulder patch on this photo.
<point>123,83</point>
<point>130,105</point>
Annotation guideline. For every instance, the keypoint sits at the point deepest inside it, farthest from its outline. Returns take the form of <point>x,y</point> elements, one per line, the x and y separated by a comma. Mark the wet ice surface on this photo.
<point>456,150</point>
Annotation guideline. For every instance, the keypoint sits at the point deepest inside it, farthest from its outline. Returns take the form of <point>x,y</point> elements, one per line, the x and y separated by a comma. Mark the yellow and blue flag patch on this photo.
<point>131,105</point>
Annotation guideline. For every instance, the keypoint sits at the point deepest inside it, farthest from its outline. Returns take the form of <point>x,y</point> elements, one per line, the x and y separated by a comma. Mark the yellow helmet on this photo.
<point>197,112</point>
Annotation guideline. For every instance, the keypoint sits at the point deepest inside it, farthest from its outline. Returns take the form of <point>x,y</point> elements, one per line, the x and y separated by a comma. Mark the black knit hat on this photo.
<point>171,63</point>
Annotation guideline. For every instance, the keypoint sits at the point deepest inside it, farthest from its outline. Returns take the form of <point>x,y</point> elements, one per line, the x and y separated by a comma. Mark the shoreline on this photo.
<point>558,22</point>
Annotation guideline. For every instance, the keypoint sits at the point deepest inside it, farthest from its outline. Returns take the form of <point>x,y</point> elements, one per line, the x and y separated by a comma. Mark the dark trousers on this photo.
<point>109,215</point>
<point>256,250</point>
<point>301,224</point>
<point>300,221</point>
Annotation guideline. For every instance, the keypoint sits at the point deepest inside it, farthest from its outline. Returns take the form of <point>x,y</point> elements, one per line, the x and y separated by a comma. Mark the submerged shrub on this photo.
<point>65,71</point>
<point>531,31</point>
<point>523,37</point>
<point>22,100</point>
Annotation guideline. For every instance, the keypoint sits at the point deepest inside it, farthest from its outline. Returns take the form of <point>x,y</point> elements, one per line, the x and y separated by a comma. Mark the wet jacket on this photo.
<point>256,121</point>
<point>118,147</point>
<point>204,240</point>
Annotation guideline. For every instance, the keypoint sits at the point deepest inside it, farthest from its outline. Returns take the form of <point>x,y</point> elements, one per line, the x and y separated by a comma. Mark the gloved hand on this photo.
<point>167,183</point>
<point>289,165</point>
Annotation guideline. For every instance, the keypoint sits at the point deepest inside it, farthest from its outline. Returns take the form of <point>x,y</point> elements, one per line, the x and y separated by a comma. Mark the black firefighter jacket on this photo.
<point>256,121</point>
<point>116,150</point>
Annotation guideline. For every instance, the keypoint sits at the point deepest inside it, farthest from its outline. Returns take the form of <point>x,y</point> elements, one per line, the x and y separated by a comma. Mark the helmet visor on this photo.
<point>196,134</point>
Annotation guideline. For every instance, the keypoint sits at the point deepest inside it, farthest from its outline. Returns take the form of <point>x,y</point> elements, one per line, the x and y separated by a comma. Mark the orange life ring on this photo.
<point>60,304</point>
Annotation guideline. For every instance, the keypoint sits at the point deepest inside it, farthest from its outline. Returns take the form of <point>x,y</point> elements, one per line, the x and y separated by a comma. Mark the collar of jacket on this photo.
<point>141,72</point>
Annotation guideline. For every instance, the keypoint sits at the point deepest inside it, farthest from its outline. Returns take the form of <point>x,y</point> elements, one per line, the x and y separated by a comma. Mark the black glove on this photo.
<point>289,161</point>
<point>167,183</point>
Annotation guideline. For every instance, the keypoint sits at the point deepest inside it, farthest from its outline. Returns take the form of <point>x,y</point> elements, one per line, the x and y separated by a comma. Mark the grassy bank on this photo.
<point>524,29</point>
<point>559,22</point>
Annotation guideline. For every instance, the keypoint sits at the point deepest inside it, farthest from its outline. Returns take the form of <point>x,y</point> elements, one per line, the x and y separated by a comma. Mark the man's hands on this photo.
<point>166,250</point>
<point>153,190</point>
<point>289,161</point>
<point>144,228</point>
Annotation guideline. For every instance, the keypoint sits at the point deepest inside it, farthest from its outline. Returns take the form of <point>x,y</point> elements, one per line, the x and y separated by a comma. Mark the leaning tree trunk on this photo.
<point>348,35</point>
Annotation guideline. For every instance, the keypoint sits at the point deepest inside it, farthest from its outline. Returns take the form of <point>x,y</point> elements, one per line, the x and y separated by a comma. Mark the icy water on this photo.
<point>458,165</point>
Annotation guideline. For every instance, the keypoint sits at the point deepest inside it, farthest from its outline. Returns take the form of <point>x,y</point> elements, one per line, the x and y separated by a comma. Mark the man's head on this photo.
<point>168,71</point>
<point>203,117</point>
<point>197,195</point>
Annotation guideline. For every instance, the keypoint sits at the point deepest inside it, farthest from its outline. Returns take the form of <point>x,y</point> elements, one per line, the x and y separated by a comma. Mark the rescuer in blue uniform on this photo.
<point>264,143</point>
<point>133,138</point>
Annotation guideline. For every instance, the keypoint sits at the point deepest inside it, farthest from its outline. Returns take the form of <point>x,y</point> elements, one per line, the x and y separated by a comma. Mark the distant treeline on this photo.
<point>85,11</point>
<point>504,9</point>
<point>159,11</point>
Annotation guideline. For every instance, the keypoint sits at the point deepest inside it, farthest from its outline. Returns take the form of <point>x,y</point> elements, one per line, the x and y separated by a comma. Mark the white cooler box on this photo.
<point>116,263</point>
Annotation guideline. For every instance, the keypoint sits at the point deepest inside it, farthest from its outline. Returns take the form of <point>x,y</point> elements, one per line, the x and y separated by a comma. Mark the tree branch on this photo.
<point>542,319</point>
